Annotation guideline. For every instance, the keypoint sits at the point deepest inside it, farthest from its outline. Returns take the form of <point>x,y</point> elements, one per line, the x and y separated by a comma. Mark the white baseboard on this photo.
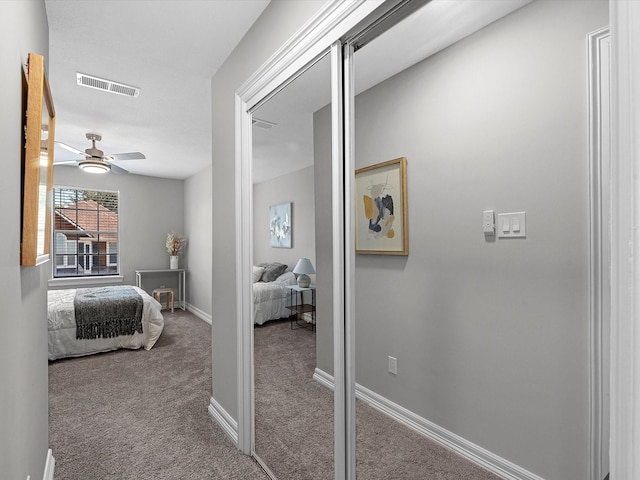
<point>465,448</point>
<point>324,379</point>
<point>222,418</point>
<point>199,313</point>
<point>49,466</point>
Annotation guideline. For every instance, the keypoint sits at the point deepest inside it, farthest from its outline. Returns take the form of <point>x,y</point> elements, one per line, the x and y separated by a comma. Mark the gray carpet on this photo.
<point>136,414</point>
<point>293,413</point>
<point>294,422</point>
<point>143,415</point>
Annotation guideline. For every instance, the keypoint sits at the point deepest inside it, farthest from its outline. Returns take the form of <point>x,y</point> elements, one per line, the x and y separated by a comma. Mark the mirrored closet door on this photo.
<point>293,334</point>
<point>447,329</point>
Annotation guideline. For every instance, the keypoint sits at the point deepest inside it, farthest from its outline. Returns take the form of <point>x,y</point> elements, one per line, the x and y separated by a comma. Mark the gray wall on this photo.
<point>324,239</point>
<point>150,207</point>
<point>278,22</point>
<point>23,342</point>
<point>197,228</point>
<point>296,187</point>
<point>491,337</point>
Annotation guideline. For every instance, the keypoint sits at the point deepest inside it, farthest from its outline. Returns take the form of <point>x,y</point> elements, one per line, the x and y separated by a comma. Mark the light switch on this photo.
<point>512,225</point>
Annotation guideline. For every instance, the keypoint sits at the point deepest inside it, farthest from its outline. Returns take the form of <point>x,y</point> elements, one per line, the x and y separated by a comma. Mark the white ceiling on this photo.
<point>168,48</point>
<point>172,48</point>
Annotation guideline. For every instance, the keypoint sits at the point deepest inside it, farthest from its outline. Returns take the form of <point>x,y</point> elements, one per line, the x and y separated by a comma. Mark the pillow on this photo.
<point>287,278</point>
<point>272,270</point>
<point>257,273</point>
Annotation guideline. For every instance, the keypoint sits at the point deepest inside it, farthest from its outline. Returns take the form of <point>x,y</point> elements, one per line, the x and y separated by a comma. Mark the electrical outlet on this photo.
<point>393,365</point>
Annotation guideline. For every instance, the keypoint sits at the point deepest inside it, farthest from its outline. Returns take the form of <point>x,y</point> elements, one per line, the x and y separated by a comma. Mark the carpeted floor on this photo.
<point>293,413</point>
<point>137,414</point>
<point>143,415</point>
<point>294,422</point>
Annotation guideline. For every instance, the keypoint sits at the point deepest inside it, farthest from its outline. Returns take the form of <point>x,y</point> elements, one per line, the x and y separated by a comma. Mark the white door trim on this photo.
<point>624,445</point>
<point>599,248</point>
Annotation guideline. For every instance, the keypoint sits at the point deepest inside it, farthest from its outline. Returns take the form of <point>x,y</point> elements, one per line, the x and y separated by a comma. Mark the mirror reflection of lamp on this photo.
<point>303,268</point>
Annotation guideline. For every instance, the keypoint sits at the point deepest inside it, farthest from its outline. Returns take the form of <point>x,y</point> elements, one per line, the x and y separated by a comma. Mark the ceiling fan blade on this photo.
<point>126,156</point>
<point>65,162</point>
<point>71,149</point>
<point>118,170</point>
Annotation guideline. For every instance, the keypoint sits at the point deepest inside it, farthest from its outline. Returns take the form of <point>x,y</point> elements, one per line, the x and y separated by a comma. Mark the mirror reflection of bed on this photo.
<point>271,297</point>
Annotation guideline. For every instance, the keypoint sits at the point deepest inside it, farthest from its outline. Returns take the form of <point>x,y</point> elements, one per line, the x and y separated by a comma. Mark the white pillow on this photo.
<point>257,273</point>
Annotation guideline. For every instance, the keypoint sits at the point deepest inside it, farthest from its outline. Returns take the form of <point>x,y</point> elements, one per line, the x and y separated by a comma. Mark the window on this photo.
<point>85,233</point>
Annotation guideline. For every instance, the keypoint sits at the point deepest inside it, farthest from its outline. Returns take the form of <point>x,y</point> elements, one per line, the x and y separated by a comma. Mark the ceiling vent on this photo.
<point>263,124</point>
<point>105,85</point>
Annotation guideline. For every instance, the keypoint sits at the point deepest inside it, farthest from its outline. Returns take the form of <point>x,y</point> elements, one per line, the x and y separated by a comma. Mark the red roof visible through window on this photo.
<point>87,215</point>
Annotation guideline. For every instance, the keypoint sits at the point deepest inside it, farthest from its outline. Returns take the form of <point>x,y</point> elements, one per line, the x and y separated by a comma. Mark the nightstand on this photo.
<point>299,309</point>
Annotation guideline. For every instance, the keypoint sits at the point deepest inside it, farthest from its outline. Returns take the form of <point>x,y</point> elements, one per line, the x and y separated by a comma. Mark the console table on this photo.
<point>182,283</point>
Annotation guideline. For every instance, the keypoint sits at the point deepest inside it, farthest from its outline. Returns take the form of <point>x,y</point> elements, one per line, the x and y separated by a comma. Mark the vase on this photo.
<point>173,262</point>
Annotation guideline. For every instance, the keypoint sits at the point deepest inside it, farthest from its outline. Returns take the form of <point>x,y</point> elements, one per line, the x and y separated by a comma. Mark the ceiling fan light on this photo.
<point>94,166</point>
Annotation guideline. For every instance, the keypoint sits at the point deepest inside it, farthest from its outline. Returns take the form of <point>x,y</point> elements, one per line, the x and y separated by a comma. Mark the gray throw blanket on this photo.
<point>106,312</point>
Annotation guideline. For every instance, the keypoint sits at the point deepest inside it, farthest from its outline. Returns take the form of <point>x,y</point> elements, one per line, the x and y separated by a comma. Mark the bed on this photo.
<point>271,297</point>
<point>71,337</point>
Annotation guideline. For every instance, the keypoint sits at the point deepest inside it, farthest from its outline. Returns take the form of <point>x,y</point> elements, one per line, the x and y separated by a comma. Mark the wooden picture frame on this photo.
<point>37,178</point>
<point>381,221</point>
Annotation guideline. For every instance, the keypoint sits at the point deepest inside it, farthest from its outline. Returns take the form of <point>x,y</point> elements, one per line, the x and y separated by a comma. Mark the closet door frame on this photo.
<point>625,241</point>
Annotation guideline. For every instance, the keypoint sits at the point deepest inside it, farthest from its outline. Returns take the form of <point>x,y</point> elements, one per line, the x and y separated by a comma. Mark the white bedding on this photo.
<point>62,327</point>
<point>271,299</point>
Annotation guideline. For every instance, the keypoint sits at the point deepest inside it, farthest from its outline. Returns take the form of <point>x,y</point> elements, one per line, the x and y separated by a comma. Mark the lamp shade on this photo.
<point>303,268</point>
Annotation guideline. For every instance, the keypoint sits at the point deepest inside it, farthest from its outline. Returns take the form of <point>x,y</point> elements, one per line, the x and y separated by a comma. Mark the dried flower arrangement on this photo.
<point>175,243</point>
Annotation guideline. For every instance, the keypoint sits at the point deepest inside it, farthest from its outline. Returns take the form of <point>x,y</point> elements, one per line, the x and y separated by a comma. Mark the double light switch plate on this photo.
<point>512,225</point>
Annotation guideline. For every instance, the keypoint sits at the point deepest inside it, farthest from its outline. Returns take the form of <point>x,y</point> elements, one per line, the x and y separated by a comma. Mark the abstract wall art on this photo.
<point>381,222</point>
<point>280,228</point>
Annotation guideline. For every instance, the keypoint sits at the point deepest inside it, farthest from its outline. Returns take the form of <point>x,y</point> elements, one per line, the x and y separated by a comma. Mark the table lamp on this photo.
<point>303,268</point>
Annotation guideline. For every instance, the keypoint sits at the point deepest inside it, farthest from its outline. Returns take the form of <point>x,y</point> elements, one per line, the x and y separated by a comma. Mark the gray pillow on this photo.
<point>272,271</point>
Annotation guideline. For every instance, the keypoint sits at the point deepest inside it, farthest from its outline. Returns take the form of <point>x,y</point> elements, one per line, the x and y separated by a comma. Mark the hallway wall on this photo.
<point>23,342</point>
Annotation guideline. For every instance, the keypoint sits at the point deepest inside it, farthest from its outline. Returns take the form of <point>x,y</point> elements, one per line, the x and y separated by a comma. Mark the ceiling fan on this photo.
<point>95,160</point>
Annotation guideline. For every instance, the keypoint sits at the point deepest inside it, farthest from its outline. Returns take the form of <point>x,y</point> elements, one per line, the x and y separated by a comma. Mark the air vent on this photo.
<point>107,85</point>
<point>263,124</point>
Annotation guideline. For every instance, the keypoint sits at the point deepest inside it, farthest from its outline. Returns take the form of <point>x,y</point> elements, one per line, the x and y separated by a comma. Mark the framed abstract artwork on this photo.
<point>280,225</point>
<point>381,222</point>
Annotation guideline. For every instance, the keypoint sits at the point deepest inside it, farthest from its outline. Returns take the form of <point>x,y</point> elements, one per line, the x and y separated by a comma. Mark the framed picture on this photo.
<point>280,225</point>
<point>37,165</point>
<point>381,222</point>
